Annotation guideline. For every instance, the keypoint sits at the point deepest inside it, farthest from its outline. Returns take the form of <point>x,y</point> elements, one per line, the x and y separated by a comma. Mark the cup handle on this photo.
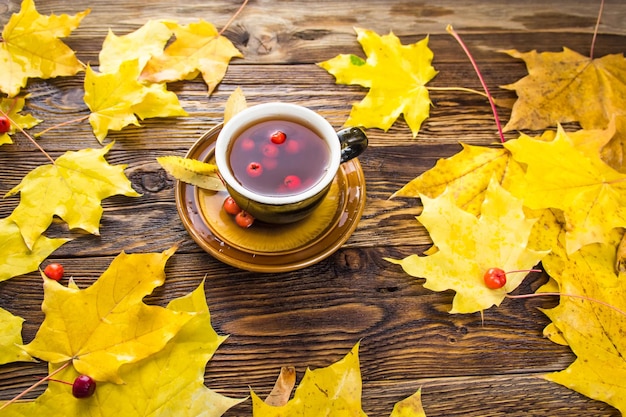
<point>353,142</point>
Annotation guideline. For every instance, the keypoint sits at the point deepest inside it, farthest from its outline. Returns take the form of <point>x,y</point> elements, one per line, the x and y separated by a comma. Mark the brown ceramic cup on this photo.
<point>289,207</point>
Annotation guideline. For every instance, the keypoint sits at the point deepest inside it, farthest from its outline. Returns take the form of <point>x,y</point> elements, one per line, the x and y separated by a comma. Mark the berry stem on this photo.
<point>77,120</point>
<point>3,113</point>
<point>559,294</point>
<point>233,17</point>
<point>35,385</point>
<point>595,30</point>
<point>524,270</point>
<point>480,77</point>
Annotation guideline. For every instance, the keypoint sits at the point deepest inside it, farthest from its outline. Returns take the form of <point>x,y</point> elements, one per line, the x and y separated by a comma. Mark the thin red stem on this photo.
<point>233,17</point>
<point>582,297</point>
<point>35,385</point>
<point>595,30</point>
<point>482,80</point>
<point>524,270</point>
<point>68,122</point>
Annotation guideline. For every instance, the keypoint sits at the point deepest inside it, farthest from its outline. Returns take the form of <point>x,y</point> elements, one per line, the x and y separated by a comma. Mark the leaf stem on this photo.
<point>77,120</point>
<point>467,90</point>
<point>35,385</point>
<point>480,77</point>
<point>230,21</point>
<point>595,30</point>
<point>559,294</point>
<point>2,112</point>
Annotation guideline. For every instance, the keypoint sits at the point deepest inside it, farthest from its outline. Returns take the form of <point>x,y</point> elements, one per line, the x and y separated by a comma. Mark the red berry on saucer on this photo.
<point>231,206</point>
<point>244,219</point>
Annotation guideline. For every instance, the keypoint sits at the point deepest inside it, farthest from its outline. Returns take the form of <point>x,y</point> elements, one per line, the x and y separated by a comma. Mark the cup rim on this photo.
<point>277,110</point>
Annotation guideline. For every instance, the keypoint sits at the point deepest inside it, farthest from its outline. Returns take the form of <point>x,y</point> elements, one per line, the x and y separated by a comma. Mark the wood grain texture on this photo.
<point>466,365</point>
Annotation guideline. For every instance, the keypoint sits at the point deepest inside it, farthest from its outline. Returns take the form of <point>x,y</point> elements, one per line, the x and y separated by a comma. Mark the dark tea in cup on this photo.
<point>278,158</point>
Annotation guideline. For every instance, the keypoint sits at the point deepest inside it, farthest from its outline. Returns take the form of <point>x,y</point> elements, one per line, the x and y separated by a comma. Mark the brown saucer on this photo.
<point>267,247</point>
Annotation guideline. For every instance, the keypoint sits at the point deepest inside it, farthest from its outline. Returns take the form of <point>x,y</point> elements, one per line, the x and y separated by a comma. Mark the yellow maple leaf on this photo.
<point>107,324</point>
<point>396,76</point>
<point>469,246</point>
<point>191,171</point>
<point>116,99</point>
<point>15,257</point>
<point>593,330</point>
<point>331,391</point>
<point>72,188</point>
<point>168,383</point>
<point>466,175</point>
<point>557,85</point>
<point>11,338</point>
<point>12,108</point>
<point>142,44</point>
<point>31,47</point>
<point>591,194</point>
<point>198,48</point>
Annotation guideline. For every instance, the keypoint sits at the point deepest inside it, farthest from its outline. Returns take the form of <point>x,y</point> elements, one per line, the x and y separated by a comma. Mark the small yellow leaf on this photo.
<point>409,407</point>
<point>194,172</point>
<point>236,102</point>
<point>396,76</point>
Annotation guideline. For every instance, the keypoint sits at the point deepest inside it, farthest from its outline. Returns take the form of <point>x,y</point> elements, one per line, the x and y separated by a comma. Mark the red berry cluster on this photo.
<point>271,150</point>
<point>242,218</point>
<point>54,271</point>
<point>5,124</point>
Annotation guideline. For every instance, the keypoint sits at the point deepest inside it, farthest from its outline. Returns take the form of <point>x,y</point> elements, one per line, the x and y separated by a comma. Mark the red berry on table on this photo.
<point>83,387</point>
<point>54,271</point>
<point>5,124</point>
<point>244,219</point>
<point>278,137</point>
<point>495,278</point>
<point>292,182</point>
<point>270,150</point>
<point>231,206</point>
<point>254,169</point>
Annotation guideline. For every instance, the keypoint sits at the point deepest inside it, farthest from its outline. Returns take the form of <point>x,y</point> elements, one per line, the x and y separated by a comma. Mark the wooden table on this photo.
<point>313,316</point>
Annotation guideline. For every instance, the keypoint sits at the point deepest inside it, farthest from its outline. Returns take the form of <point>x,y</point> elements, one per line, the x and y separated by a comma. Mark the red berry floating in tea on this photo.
<point>270,150</point>
<point>254,169</point>
<point>292,182</point>
<point>278,137</point>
